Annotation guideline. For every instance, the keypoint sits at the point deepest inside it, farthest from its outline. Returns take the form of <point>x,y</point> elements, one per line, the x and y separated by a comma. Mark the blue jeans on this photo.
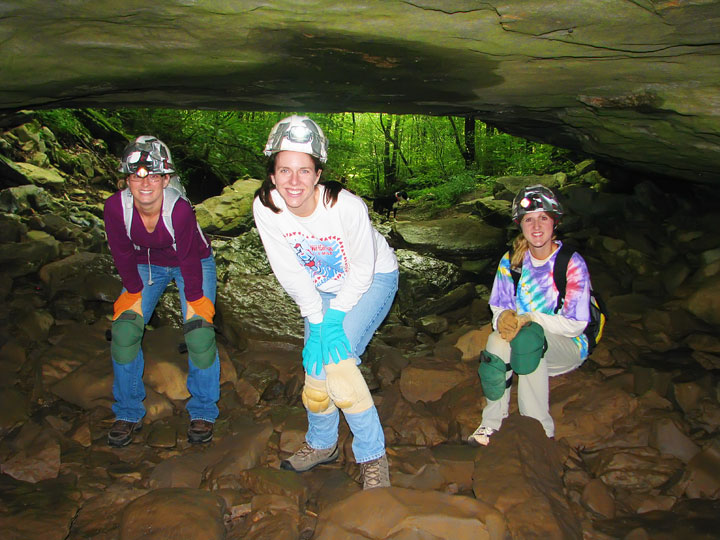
<point>360,324</point>
<point>203,384</point>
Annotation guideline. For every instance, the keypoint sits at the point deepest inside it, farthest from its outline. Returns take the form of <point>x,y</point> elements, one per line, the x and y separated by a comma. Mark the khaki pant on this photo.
<point>562,356</point>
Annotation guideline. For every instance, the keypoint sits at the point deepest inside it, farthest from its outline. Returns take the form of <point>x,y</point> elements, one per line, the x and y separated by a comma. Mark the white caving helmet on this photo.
<point>537,198</point>
<point>298,134</point>
<point>146,155</point>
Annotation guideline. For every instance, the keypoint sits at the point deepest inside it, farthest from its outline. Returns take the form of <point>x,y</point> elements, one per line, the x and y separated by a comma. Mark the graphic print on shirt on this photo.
<point>323,258</point>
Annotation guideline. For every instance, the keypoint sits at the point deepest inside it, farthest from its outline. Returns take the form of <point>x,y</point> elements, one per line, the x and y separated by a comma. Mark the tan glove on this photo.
<point>507,323</point>
<point>521,321</point>
<point>126,301</point>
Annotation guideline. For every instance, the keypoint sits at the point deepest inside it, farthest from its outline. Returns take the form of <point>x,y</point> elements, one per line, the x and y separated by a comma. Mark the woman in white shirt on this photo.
<point>343,276</point>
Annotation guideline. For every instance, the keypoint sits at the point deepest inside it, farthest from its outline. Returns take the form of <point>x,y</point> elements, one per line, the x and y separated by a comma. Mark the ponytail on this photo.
<point>519,248</point>
<point>332,190</point>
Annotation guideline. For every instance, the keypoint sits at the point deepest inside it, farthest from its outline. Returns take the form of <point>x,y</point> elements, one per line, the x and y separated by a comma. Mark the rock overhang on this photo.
<point>632,83</point>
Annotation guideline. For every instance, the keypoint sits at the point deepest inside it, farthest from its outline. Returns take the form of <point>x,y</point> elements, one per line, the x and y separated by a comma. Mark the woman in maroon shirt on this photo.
<point>154,239</point>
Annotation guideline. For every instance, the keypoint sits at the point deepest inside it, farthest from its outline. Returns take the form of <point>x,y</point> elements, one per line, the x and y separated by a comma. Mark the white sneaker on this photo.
<point>481,436</point>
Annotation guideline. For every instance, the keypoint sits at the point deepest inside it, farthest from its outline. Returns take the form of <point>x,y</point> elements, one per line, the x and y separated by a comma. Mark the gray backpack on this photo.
<point>173,192</point>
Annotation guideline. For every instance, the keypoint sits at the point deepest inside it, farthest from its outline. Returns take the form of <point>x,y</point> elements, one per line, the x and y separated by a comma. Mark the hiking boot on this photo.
<point>200,431</point>
<point>121,432</point>
<point>375,473</point>
<point>307,457</point>
<point>481,436</point>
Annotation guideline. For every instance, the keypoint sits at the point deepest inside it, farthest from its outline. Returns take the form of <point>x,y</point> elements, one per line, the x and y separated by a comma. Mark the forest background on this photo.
<point>373,154</point>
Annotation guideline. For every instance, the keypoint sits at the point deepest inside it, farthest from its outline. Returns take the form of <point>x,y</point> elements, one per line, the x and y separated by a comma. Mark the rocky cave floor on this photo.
<point>636,453</point>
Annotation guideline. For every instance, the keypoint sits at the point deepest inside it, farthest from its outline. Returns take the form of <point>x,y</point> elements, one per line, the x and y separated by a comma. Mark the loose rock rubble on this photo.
<point>636,451</point>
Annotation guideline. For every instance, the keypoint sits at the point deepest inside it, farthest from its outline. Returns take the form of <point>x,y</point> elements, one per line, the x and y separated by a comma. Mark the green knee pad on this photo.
<point>200,341</point>
<point>493,375</point>
<point>127,333</point>
<point>527,349</point>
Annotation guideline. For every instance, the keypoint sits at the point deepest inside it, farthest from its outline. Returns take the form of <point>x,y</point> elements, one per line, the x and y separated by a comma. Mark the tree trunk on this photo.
<point>470,140</point>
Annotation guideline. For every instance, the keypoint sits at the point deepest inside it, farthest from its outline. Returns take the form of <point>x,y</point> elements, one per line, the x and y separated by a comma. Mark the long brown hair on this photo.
<point>332,189</point>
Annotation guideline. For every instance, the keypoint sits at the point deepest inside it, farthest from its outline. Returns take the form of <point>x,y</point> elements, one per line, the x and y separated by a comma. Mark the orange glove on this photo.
<point>126,301</point>
<point>202,307</point>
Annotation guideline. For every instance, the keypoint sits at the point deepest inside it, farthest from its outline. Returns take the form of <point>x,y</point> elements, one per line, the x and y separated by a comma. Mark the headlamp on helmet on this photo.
<point>297,134</point>
<point>537,198</point>
<point>146,155</point>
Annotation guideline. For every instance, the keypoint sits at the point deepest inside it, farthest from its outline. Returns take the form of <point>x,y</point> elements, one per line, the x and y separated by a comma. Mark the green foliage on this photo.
<point>223,144</point>
<point>64,124</point>
<point>372,154</point>
<point>505,155</point>
<point>449,192</point>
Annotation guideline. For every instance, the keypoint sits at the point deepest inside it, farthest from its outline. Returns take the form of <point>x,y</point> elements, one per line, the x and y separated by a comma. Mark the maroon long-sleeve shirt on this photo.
<point>157,246</point>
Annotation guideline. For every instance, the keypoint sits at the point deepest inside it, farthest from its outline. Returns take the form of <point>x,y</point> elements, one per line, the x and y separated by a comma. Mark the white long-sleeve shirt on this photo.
<point>335,250</point>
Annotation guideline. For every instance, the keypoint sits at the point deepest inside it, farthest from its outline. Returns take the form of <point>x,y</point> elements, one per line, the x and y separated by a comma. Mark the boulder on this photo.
<point>404,513</point>
<point>258,307</point>
<point>519,474</point>
<point>230,212</point>
<point>427,379</point>
<point>452,237</point>
<point>88,275</point>
<point>702,476</point>
<point>21,259</point>
<point>544,71</point>
<point>38,515</point>
<point>37,457</point>
<point>639,469</point>
<point>174,513</point>
<point>704,302</point>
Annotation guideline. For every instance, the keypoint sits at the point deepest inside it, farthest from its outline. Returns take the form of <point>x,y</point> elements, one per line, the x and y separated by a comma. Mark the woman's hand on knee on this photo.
<point>128,301</point>
<point>312,352</point>
<point>203,307</point>
<point>509,333</point>
<point>335,344</point>
<point>507,324</point>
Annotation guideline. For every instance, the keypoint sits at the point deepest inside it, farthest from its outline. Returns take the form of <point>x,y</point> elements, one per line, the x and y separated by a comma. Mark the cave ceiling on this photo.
<point>635,83</point>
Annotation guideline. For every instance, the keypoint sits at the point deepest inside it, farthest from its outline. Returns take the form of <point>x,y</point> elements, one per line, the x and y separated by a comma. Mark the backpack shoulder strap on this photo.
<point>170,197</point>
<point>127,208</point>
<point>562,259</point>
<point>515,273</point>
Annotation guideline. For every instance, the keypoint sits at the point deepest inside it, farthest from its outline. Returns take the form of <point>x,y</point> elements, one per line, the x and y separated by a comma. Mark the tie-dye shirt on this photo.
<point>537,291</point>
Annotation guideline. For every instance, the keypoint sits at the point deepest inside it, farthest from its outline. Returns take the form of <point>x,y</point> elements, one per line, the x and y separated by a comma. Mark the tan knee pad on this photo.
<point>346,386</point>
<point>315,396</point>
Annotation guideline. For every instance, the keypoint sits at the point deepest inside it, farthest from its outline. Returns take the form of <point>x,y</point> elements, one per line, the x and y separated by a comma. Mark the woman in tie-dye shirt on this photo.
<point>537,211</point>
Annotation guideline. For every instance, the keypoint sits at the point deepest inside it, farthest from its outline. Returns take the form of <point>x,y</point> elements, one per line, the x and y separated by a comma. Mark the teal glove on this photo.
<point>335,344</point>
<point>312,352</point>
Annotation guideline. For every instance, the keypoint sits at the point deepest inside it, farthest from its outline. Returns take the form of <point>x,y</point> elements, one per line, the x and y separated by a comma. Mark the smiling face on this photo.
<point>147,191</point>
<point>295,178</point>
<point>537,228</point>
